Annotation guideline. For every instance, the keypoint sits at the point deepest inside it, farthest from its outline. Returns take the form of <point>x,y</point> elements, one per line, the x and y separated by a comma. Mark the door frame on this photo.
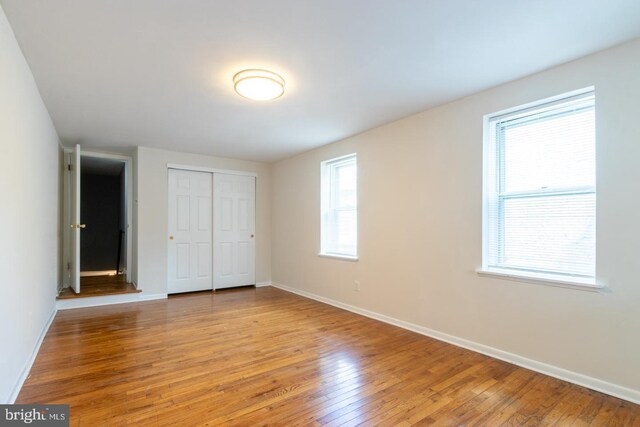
<point>211,171</point>
<point>128,162</point>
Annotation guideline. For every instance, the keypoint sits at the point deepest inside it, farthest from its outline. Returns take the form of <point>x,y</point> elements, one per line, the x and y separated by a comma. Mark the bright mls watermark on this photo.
<point>34,415</point>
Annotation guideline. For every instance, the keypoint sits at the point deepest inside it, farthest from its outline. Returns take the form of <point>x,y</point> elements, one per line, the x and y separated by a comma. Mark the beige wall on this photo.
<point>420,201</point>
<point>151,192</point>
<point>28,213</point>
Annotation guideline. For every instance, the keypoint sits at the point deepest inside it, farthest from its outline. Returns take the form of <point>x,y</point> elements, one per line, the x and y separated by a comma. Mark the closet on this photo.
<point>211,231</point>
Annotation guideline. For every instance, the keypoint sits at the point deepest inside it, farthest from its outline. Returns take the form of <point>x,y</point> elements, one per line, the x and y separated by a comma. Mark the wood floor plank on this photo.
<point>94,286</point>
<point>267,357</point>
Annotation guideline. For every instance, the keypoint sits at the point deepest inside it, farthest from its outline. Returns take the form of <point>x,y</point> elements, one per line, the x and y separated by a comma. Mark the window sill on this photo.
<point>542,280</point>
<point>341,257</point>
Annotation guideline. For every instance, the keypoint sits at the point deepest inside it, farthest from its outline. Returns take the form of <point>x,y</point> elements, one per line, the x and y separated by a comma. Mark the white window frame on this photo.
<point>326,207</point>
<point>489,191</point>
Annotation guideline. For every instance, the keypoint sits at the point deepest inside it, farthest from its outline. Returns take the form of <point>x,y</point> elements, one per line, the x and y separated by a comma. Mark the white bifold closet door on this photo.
<point>190,231</point>
<point>234,230</point>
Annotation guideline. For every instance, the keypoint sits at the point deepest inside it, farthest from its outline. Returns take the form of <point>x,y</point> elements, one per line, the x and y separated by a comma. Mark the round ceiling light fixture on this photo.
<point>259,85</point>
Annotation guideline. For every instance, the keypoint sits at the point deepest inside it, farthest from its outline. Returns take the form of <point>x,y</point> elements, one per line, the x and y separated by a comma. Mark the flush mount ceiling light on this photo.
<point>259,85</point>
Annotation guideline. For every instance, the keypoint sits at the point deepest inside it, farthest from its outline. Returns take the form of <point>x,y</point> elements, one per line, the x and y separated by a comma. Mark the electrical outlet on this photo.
<point>356,286</point>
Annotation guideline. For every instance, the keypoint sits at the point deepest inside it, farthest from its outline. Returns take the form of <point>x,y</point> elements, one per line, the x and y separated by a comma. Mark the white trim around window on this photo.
<point>539,192</point>
<point>339,208</point>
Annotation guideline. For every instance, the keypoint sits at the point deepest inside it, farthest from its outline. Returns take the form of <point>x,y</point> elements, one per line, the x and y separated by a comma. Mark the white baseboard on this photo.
<point>27,366</point>
<point>263,284</point>
<point>573,377</point>
<point>67,304</point>
<point>151,297</point>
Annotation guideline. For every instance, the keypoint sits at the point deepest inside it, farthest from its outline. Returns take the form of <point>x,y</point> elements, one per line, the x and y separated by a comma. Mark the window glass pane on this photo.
<point>554,152</point>
<point>343,232</point>
<point>550,234</point>
<point>345,185</point>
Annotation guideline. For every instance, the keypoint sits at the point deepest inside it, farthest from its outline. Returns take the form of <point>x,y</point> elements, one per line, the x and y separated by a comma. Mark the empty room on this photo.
<point>320,212</point>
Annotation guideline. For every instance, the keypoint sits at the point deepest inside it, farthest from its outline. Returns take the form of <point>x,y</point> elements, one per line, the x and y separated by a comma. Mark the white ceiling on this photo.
<point>121,73</point>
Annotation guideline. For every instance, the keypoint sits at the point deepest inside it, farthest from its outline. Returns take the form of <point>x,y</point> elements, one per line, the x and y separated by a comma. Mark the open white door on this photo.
<point>234,230</point>
<point>76,226</point>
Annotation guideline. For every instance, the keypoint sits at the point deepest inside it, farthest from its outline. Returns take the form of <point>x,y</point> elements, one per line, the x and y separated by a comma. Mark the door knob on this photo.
<point>252,236</point>
<point>82,225</point>
<point>170,237</point>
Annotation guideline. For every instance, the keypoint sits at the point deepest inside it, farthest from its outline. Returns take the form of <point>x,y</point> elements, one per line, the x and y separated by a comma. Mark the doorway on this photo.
<point>97,220</point>
<point>103,210</point>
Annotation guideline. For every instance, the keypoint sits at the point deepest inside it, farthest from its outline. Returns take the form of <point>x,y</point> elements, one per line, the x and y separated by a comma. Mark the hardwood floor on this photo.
<point>267,357</point>
<point>95,286</point>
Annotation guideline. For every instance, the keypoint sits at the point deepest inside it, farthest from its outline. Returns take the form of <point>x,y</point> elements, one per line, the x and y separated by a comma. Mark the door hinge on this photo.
<point>69,167</point>
<point>68,266</point>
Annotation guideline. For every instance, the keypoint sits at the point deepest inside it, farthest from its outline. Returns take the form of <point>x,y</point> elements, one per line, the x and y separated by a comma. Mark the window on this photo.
<point>339,207</point>
<point>540,191</point>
